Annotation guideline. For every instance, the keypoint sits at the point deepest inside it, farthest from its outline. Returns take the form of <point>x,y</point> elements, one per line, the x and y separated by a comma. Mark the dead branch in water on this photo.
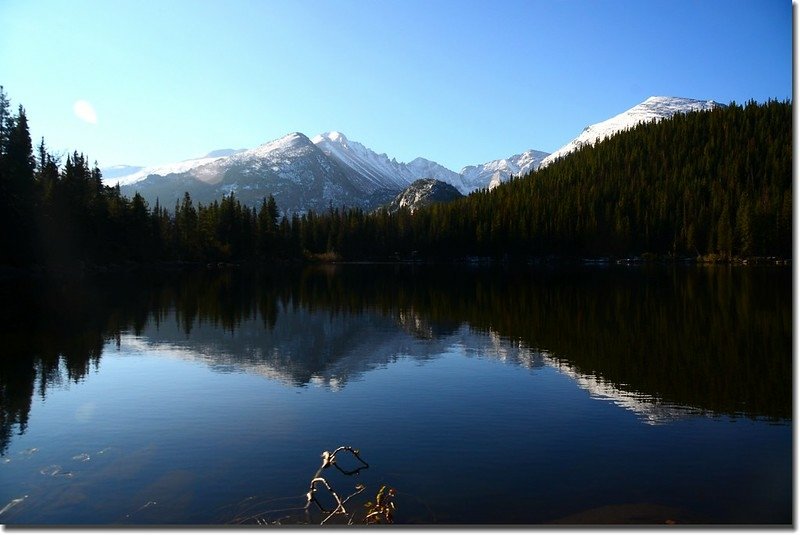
<point>383,508</point>
<point>378,512</point>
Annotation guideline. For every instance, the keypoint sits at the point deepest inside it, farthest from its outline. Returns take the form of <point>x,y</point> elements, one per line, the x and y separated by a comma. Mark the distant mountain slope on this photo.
<point>424,192</point>
<point>116,172</point>
<point>159,170</point>
<point>377,169</point>
<point>491,174</point>
<point>390,173</point>
<point>292,169</point>
<point>224,152</point>
<point>654,108</point>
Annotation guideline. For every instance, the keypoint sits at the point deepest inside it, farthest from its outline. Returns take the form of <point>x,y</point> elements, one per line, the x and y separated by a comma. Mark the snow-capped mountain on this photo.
<point>652,109</point>
<point>304,174</point>
<point>424,192</point>
<point>491,174</point>
<point>390,173</point>
<point>292,169</point>
<point>378,168</point>
<point>374,169</point>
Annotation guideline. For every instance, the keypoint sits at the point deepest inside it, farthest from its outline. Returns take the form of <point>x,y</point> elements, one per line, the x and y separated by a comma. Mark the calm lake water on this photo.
<point>490,396</point>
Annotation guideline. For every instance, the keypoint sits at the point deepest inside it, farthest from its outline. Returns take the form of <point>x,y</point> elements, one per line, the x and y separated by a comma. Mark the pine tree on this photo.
<point>6,122</point>
<point>16,186</point>
<point>744,230</point>
<point>186,222</point>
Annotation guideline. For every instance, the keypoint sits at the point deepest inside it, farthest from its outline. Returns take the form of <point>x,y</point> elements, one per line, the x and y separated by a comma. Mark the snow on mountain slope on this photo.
<point>292,169</point>
<point>377,170</point>
<point>423,168</point>
<point>491,174</point>
<point>118,171</point>
<point>652,109</point>
<point>130,174</point>
<point>275,156</point>
<point>161,170</point>
<point>224,152</point>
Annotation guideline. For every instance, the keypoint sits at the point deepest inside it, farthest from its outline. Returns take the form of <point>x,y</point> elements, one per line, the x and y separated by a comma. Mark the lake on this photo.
<point>483,395</point>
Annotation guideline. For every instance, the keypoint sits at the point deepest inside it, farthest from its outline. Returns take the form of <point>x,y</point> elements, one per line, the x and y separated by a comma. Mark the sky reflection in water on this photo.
<point>483,397</point>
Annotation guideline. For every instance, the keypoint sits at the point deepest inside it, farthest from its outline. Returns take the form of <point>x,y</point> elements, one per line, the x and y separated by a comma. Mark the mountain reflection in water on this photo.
<point>663,342</point>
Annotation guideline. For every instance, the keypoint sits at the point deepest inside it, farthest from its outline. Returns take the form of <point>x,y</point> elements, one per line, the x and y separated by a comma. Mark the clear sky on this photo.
<point>459,82</point>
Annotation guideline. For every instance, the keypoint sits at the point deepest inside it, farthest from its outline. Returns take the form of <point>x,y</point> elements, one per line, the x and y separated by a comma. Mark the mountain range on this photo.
<point>305,173</point>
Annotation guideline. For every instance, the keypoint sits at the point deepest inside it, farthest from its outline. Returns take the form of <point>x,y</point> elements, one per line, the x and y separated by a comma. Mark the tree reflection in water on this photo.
<point>716,339</point>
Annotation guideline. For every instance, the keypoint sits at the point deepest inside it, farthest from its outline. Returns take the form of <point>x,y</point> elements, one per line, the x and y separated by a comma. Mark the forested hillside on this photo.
<point>706,183</point>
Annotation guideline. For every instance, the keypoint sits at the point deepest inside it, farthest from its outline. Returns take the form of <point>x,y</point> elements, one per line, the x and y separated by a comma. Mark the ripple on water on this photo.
<point>55,470</point>
<point>12,503</point>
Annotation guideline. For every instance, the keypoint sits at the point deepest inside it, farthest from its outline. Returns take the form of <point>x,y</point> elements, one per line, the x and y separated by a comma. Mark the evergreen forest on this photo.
<point>709,185</point>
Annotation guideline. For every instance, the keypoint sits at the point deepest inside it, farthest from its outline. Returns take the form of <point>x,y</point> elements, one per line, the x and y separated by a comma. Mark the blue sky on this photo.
<point>459,82</point>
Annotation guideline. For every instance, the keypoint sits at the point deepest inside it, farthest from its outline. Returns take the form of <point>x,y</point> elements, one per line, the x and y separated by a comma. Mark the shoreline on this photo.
<point>80,269</point>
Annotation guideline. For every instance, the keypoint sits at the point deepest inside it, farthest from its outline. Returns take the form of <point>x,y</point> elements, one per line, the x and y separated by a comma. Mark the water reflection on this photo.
<point>651,410</point>
<point>661,342</point>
